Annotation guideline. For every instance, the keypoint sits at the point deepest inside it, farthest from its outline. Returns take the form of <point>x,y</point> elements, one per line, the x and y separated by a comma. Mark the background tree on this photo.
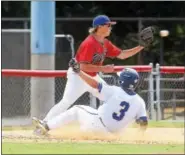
<point>124,33</point>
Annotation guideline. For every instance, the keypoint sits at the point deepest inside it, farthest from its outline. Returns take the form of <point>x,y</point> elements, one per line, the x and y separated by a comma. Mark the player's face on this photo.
<point>106,29</point>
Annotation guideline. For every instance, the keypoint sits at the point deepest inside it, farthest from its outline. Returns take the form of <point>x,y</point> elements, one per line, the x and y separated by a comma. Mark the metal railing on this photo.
<point>113,18</point>
<point>169,95</point>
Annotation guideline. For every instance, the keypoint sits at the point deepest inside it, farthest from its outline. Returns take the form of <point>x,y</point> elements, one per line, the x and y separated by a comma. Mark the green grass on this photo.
<point>165,124</point>
<point>152,124</point>
<point>87,148</point>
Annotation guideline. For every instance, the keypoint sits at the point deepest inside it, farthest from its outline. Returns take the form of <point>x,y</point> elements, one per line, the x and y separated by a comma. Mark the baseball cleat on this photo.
<point>43,128</point>
<point>37,131</point>
<point>35,121</point>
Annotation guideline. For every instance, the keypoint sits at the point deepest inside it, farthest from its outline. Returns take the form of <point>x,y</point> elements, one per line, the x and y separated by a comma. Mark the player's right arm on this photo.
<point>104,89</point>
<point>84,57</point>
<point>89,80</point>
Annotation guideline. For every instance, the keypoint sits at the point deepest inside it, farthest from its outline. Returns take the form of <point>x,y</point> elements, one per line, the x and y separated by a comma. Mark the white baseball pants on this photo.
<point>75,87</point>
<point>86,116</point>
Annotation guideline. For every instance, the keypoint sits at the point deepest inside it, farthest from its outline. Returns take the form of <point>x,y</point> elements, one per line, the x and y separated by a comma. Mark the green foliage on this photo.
<point>124,33</point>
<point>15,9</point>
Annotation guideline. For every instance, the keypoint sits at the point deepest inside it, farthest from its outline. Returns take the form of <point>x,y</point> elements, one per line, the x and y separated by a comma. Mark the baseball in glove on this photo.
<point>74,65</point>
<point>146,36</point>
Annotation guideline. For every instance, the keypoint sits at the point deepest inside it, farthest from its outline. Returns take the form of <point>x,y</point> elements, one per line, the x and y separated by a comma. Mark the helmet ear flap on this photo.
<point>120,82</point>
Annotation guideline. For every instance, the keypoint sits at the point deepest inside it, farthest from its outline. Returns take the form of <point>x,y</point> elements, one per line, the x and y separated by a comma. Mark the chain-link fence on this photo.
<point>16,47</point>
<point>16,95</point>
<point>172,94</point>
<point>169,94</point>
<point>16,98</point>
<point>15,50</point>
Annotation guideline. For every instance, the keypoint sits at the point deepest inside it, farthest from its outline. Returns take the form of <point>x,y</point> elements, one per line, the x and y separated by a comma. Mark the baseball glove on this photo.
<point>74,65</point>
<point>146,36</point>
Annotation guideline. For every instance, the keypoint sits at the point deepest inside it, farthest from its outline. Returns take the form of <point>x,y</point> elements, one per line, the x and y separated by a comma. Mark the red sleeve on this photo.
<point>112,50</point>
<point>85,53</point>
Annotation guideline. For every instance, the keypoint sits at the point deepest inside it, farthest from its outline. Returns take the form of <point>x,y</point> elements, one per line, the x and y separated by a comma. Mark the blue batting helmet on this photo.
<point>128,79</point>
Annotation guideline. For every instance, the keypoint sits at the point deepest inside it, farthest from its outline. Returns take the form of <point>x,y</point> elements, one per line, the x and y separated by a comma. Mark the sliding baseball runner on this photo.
<point>122,106</point>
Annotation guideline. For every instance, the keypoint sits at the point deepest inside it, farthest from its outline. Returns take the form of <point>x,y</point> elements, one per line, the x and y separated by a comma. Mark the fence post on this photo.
<point>26,47</point>
<point>139,30</point>
<point>42,56</point>
<point>158,92</point>
<point>151,93</point>
<point>72,44</point>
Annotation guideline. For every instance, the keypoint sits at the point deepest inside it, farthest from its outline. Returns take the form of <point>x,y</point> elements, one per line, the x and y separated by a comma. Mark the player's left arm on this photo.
<point>141,117</point>
<point>115,52</point>
<point>146,38</point>
<point>124,54</point>
<point>143,122</point>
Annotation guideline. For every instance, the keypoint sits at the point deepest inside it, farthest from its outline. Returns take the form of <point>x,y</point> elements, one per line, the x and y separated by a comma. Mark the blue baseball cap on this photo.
<point>102,20</point>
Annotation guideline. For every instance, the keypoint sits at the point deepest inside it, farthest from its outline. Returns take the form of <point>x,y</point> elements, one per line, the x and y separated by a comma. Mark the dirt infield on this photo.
<point>130,135</point>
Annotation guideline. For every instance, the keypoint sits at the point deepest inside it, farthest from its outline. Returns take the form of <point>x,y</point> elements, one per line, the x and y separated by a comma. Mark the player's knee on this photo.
<point>75,107</point>
<point>75,111</point>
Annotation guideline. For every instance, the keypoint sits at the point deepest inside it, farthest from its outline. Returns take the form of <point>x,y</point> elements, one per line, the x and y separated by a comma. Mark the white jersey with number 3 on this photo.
<point>119,108</point>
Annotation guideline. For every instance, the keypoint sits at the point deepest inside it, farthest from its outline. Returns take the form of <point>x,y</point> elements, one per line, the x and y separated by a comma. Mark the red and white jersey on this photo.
<point>93,52</point>
<point>119,108</point>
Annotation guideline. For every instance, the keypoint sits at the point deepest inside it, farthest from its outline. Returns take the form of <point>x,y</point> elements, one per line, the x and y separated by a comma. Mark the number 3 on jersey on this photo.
<point>125,106</point>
